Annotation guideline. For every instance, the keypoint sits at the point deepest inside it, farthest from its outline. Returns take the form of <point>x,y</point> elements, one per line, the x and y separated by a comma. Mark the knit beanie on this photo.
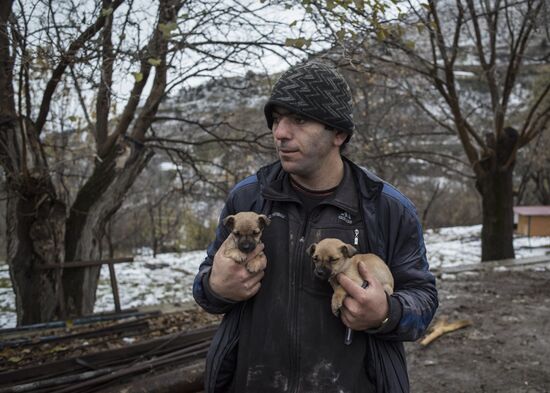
<point>315,91</point>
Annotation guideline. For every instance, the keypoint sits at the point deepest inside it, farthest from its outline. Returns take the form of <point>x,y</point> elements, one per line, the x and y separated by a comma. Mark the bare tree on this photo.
<point>71,54</point>
<point>463,61</point>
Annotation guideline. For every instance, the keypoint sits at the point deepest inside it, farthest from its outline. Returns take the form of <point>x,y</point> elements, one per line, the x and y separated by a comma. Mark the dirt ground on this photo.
<point>507,347</point>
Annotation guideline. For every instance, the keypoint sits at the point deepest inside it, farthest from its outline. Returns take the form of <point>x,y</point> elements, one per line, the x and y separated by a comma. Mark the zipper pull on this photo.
<point>356,238</point>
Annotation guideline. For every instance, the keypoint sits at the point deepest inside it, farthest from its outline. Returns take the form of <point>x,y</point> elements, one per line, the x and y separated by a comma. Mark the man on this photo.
<point>278,332</point>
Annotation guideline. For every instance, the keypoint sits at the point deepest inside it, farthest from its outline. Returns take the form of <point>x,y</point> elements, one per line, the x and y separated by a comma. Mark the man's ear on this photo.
<point>340,137</point>
<point>311,249</point>
<point>348,250</point>
<point>229,222</point>
<point>263,221</point>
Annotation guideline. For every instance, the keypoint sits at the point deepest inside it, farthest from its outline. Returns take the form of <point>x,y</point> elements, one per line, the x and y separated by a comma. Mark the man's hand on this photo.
<point>363,308</point>
<point>231,280</point>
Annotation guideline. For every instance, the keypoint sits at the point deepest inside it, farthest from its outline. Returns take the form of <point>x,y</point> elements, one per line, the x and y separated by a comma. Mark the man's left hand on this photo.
<point>363,308</point>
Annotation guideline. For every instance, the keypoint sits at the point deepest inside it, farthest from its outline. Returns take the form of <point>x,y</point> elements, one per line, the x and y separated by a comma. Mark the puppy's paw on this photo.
<point>257,264</point>
<point>336,305</point>
<point>235,254</point>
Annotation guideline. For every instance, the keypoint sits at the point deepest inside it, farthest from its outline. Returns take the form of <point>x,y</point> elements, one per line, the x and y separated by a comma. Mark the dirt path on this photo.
<point>507,348</point>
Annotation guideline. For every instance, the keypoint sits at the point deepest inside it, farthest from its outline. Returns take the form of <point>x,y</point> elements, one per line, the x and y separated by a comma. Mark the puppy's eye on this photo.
<point>332,260</point>
<point>315,258</point>
<point>237,233</point>
<point>256,232</point>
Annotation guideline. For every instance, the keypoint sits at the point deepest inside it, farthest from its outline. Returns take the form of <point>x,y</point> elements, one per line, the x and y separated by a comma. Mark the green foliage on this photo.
<point>298,42</point>
<point>106,11</point>
<point>345,18</point>
<point>154,61</point>
<point>167,28</point>
<point>138,76</point>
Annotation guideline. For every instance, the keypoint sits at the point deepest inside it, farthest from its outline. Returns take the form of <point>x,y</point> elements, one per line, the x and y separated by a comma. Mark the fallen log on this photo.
<point>441,327</point>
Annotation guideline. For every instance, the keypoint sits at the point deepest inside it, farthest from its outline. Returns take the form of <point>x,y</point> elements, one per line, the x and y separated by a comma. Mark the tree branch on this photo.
<point>67,58</point>
<point>104,92</point>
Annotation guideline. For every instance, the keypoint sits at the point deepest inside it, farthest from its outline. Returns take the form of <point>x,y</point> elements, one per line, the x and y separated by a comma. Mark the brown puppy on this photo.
<point>333,256</point>
<point>246,229</point>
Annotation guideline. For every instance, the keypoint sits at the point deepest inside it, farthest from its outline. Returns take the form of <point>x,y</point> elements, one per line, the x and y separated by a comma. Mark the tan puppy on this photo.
<point>333,256</point>
<point>246,230</point>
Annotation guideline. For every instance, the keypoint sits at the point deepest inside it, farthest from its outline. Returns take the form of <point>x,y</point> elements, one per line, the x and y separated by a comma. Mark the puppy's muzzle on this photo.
<point>322,273</point>
<point>246,246</point>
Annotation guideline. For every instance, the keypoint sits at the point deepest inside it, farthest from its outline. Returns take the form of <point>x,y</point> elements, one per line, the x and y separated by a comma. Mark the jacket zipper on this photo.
<point>296,280</point>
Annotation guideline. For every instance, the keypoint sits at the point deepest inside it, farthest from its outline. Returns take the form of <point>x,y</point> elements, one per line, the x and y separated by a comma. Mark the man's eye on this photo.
<point>299,120</point>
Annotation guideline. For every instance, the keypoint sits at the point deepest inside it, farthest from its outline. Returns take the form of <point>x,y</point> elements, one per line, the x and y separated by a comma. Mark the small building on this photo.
<point>533,220</point>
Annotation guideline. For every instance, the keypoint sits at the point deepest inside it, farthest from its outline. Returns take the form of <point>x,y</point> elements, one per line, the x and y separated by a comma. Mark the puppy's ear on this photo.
<point>229,222</point>
<point>348,250</point>
<point>311,250</point>
<point>263,221</point>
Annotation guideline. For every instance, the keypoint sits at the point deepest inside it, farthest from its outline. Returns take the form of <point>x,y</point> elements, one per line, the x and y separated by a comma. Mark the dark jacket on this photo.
<point>287,332</point>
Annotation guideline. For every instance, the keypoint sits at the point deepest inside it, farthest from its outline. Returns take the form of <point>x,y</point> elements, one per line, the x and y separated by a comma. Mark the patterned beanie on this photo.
<point>315,91</point>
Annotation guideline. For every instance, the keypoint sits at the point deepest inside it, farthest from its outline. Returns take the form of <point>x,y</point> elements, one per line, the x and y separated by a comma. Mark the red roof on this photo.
<point>532,210</point>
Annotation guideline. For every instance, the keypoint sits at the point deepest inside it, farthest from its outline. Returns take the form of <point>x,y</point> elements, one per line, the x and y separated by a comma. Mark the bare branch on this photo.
<point>103,104</point>
<point>67,58</point>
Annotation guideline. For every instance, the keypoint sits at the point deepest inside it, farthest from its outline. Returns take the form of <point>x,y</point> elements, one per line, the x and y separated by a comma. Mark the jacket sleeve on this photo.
<point>203,294</point>
<point>414,301</point>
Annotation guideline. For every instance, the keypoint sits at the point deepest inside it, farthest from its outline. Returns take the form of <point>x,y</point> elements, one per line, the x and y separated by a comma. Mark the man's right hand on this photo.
<point>231,280</point>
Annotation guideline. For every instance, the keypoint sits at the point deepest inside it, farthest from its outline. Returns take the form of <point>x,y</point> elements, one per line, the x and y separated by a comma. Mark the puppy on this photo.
<point>333,256</point>
<point>246,230</point>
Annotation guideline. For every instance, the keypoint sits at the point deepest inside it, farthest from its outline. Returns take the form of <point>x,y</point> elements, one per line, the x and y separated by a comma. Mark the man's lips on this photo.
<point>286,150</point>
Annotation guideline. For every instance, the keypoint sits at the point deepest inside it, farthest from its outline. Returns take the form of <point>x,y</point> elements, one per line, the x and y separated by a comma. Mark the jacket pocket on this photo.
<point>226,372</point>
<point>221,359</point>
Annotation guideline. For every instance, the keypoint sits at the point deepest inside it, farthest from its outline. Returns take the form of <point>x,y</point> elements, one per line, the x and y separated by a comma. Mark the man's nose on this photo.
<point>282,129</point>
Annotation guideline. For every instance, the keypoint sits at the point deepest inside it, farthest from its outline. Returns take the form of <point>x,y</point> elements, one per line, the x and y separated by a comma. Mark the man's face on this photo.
<point>304,146</point>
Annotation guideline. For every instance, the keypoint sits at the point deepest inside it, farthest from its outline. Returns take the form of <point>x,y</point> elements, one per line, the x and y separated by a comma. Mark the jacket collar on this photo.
<point>275,185</point>
<point>346,195</point>
<point>370,185</point>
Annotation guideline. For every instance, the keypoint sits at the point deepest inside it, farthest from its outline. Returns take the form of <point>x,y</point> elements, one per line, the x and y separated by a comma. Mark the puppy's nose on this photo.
<point>322,274</point>
<point>247,246</point>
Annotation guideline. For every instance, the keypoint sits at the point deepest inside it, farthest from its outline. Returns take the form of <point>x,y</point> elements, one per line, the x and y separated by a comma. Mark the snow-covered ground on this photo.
<point>456,246</point>
<point>168,278</point>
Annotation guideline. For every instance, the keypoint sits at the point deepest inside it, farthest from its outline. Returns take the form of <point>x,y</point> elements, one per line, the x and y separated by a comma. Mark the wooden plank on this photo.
<point>108,358</point>
<point>85,320</point>
<point>114,287</point>
<point>123,327</point>
<point>75,264</point>
<point>483,266</point>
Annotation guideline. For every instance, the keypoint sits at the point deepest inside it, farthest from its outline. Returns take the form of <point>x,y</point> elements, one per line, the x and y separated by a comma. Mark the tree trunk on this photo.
<point>35,234</point>
<point>498,215</point>
<point>495,184</point>
<point>39,233</point>
<point>35,218</point>
<point>86,228</point>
